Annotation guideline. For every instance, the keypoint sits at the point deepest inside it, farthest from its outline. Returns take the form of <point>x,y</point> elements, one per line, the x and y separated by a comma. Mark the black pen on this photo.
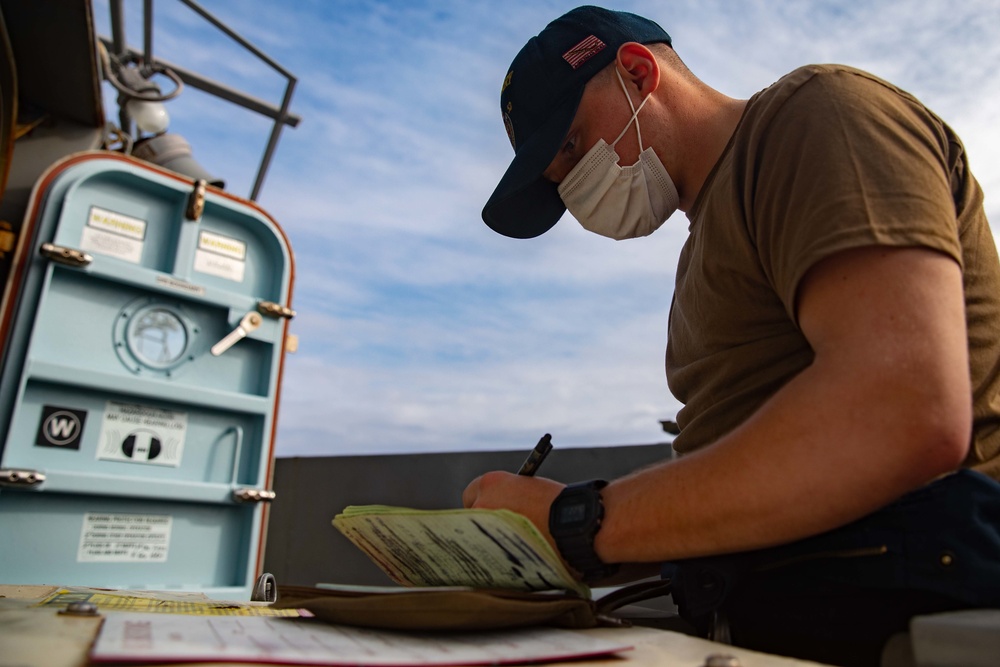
<point>537,455</point>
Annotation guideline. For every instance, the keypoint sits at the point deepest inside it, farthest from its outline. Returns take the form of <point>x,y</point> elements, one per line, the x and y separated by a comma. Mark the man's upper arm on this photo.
<point>888,324</point>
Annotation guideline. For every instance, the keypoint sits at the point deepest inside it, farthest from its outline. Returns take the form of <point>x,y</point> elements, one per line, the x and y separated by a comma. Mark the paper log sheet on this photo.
<point>476,548</point>
<point>137,637</point>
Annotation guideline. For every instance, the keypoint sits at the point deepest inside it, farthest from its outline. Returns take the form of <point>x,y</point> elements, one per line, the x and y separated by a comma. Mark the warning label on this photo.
<point>221,256</point>
<point>124,538</point>
<point>114,234</point>
<point>141,434</point>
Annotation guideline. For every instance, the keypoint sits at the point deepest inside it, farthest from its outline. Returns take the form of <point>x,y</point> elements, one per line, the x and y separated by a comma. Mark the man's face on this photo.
<point>602,114</point>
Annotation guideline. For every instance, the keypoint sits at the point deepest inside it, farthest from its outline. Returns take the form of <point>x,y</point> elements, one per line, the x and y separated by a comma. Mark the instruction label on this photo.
<point>124,538</point>
<point>221,256</point>
<point>141,434</point>
<point>114,234</point>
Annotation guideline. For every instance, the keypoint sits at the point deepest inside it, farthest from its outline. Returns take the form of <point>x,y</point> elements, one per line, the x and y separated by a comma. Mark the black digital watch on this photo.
<point>574,518</point>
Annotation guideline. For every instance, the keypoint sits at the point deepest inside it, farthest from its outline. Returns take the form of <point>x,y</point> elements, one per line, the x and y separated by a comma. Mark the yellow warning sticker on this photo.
<point>159,602</point>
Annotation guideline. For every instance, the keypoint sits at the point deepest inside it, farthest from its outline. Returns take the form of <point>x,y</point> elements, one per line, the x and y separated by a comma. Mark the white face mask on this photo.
<point>620,202</point>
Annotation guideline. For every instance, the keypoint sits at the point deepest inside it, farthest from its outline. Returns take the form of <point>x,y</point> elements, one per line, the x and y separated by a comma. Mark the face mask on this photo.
<point>620,202</point>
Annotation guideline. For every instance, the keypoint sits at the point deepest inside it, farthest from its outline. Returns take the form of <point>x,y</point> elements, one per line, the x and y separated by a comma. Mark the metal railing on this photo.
<point>280,114</point>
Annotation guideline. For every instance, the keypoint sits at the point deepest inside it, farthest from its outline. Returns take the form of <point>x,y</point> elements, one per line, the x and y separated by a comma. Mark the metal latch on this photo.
<point>276,310</point>
<point>272,309</point>
<point>196,201</point>
<point>64,255</point>
<point>253,495</point>
<point>12,477</point>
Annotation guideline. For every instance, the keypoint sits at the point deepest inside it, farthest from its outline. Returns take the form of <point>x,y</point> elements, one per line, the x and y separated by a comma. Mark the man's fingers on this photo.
<point>471,493</point>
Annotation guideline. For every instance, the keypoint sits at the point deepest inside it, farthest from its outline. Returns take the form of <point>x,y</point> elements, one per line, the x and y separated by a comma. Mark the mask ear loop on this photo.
<point>635,112</point>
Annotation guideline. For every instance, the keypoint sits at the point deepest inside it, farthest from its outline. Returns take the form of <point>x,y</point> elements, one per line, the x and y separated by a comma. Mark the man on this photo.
<point>834,337</point>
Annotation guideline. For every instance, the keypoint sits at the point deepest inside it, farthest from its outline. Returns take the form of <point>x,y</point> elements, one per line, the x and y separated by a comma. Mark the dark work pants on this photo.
<point>836,624</point>
<point>839,596</point>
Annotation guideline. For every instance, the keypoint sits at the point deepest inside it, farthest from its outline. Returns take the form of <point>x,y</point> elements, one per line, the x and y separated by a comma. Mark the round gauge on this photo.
<point>154,335</point>
<point>157,337</point>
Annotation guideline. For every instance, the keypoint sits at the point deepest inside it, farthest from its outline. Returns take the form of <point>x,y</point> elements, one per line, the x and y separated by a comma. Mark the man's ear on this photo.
<point>639,67</point>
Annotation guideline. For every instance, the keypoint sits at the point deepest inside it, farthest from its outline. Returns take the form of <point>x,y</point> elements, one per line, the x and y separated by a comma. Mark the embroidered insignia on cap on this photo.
<point>583,51</point>
<point>510,130</point>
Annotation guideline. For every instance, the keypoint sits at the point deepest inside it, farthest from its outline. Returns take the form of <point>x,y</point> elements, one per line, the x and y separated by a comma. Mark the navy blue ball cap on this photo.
<point>538,101</point>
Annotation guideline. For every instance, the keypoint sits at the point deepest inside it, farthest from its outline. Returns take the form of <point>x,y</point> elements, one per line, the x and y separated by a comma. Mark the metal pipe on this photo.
<point>239,39</point>
<point>147,37</point>
<point>118,47</point>
<point>117,27</point>
<point>282,117</point>
<point>272,142</point>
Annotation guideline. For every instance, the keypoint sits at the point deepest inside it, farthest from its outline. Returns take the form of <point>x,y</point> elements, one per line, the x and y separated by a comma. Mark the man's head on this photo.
<point>539,99</point>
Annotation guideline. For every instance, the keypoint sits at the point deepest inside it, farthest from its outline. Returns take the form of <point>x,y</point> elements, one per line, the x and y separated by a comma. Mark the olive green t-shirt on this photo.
<point>826,159</point>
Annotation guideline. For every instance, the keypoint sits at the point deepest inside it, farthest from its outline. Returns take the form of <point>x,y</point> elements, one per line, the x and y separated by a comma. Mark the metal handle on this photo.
<point>250,322</point>
<point>12,477</point>
<point>64,255</point>
<point>253,495</point>
<point>265,590</point>
<point>272,309</point>
<point>196,200</point>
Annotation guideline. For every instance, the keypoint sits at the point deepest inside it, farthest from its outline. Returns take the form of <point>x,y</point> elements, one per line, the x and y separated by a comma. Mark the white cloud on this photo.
<point>420,328</point>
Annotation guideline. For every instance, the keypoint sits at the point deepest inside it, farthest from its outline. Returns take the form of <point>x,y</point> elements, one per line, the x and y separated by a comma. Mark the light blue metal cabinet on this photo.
<point>144,337</point>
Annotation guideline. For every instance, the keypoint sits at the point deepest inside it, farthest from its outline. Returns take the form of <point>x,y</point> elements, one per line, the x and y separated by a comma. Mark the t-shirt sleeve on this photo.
<point>847,162</point>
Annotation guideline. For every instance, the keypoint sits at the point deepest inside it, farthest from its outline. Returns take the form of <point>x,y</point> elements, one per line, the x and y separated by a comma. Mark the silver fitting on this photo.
<point>80,608</point>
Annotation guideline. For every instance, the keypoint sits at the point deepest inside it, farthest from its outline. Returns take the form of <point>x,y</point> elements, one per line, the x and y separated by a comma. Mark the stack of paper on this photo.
<point>149,638</point>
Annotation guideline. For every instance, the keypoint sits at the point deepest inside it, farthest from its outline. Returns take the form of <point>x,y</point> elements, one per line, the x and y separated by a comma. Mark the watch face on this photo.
<point>572,513</point>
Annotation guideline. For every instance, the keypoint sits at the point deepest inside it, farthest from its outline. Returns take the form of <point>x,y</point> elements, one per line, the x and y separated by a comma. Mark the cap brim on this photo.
<point>525,204</point>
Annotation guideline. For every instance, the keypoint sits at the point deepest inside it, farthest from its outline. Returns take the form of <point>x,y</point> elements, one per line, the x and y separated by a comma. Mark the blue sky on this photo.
<point>422,330</point>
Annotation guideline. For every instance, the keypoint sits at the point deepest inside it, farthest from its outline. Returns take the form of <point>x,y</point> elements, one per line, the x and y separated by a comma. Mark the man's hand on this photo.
<point>529,496</point>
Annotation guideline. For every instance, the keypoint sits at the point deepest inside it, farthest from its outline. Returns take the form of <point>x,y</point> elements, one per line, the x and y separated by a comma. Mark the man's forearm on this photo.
<point>774,480</point>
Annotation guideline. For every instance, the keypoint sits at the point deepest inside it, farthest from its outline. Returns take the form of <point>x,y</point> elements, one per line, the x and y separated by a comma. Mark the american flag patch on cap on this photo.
<point>583,51</point>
